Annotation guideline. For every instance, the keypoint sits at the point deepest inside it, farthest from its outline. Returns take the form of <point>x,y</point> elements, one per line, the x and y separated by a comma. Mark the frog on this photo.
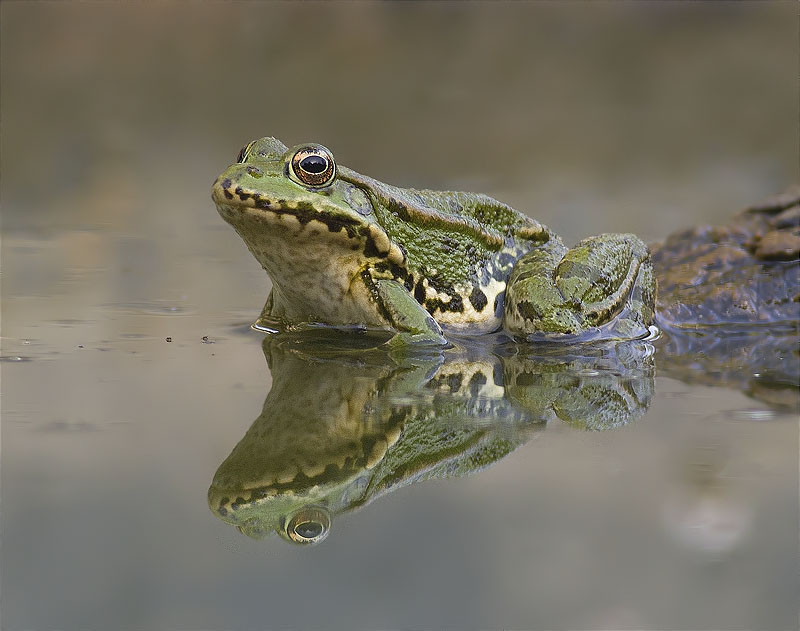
<point>345,250</point>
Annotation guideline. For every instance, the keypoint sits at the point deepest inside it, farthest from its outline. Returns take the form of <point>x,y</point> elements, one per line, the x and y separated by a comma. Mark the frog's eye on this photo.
<point>313,166</point>
<point>244,152</point>
<point>309,525</point>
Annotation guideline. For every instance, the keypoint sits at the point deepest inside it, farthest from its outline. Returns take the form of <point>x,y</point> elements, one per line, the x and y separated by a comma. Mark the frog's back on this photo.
<point>493,217</point>
<point>480,217</point>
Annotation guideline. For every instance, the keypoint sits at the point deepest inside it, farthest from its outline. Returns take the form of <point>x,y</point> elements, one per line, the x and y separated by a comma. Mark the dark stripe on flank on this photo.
<point>455,304</point>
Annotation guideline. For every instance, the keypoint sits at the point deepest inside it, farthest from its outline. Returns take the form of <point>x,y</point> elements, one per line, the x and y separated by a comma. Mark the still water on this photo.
<point>160,459</point>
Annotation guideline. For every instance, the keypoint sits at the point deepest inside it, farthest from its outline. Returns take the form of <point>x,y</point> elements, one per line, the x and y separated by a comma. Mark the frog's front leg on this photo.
<point>265,321</point>
<point>603,286</point>
<point>404,314</point>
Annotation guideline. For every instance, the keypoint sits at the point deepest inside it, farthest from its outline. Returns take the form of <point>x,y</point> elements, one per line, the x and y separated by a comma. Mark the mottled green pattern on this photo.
<point>604,279</point>
<point>353,251</point>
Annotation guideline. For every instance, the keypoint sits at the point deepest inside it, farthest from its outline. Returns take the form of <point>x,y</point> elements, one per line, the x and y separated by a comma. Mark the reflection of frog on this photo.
<point>337,431</point>
<point>343,249</point>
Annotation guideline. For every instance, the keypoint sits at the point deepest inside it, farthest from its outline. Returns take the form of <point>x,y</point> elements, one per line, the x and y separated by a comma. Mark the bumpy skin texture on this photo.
<point>352,251</point>
<point>604,281</point>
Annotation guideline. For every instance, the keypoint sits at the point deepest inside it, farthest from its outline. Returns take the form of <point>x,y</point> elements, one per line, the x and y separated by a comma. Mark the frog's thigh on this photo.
<point>533,302</point>
<point>405,314</point>
<point>587,287</point>
<point>602,275</point>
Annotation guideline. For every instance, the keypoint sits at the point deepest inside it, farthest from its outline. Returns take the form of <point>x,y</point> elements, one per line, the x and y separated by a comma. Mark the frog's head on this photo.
<point>276,198</point>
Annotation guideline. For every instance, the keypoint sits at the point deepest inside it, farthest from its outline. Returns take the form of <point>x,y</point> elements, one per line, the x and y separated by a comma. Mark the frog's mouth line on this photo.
<point>235,198</point>
<point>235,204</point>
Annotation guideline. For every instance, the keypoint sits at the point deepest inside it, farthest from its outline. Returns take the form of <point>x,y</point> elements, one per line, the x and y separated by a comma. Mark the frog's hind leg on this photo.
<point>604,287</point>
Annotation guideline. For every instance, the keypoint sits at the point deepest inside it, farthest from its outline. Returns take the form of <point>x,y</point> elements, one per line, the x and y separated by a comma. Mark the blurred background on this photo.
<point>595,117</point>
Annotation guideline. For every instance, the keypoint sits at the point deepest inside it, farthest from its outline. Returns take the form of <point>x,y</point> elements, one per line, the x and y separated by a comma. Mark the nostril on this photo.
<point>254,172</point>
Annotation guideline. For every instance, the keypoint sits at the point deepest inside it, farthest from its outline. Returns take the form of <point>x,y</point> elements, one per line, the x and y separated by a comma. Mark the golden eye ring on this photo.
<point>309,525</point>
<point>244,153</point>
<point>313,165</point>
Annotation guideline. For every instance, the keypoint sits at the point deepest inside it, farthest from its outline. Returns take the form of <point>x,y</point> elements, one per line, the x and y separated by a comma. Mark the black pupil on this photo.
<point>314,164</point>
<point>309,529</point>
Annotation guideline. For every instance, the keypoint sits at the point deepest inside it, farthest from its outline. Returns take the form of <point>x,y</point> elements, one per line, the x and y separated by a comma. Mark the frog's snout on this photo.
<point>223,189</point>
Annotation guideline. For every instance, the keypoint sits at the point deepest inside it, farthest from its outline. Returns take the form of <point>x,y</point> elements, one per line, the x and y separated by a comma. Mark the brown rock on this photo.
<point>778,245</point>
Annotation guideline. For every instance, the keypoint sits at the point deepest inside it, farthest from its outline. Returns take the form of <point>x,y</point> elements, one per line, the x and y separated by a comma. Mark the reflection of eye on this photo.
<point>243,153</point>
<point>309,525</point>
<point>313,166</point>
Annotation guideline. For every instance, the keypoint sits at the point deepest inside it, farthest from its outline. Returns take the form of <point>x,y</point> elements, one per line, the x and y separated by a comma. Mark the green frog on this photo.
<point>345,250</point>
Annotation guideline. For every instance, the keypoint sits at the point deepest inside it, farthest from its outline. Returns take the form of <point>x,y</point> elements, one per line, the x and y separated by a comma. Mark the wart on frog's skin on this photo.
<point>344,250</point>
